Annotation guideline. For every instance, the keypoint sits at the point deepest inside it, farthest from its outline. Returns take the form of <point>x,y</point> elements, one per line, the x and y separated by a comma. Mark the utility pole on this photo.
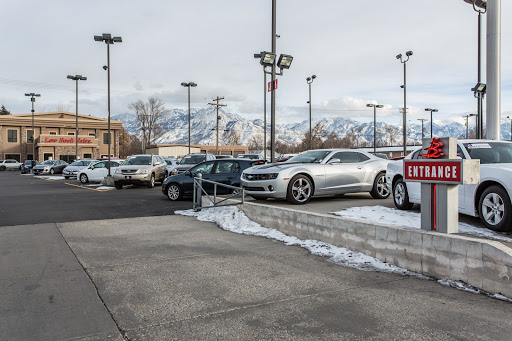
<point>218,119</point>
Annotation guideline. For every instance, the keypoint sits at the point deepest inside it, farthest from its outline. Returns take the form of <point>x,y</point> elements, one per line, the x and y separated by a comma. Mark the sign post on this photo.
<point>441,171</point>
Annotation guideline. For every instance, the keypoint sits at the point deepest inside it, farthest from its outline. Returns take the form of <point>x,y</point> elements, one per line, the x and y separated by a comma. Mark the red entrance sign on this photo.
<point>439,172</point>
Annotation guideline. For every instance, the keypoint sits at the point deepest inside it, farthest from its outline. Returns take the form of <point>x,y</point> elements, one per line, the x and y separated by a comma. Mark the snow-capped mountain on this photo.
<point>203,129</point>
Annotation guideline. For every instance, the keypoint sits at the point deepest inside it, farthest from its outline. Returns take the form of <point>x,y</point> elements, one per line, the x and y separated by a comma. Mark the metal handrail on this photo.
<point>199,190</point>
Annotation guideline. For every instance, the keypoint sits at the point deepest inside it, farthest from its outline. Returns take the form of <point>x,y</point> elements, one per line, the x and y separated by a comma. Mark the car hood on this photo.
<point>42,166</point>
<point>183,167</point>
<point>273,167</point>
<point>74,168</point>
<point>135,167</point>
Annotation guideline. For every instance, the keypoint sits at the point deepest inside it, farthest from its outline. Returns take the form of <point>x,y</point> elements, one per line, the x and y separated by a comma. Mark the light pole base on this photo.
<point>108,181</point>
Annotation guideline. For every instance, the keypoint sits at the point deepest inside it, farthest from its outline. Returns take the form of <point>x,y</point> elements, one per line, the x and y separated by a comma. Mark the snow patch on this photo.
<point>233,219</point>
<point>50,177</point>
<point>391,216</point>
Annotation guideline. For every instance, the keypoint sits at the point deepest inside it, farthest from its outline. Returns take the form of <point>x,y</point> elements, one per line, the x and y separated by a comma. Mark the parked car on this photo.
<point>10,164</point>
<point>223,156</point>
<point>489,200</point>
<point>50,167</point>
<point>27,166</point>
<point>250,156</point>
<point>319,172</point>
<point>226,171</point>
<point>189,161</point>
<point>171,164</point>
<point>142,169</point>
<point>96,171</point>
<point>381,155</point>
<point>72,170</point>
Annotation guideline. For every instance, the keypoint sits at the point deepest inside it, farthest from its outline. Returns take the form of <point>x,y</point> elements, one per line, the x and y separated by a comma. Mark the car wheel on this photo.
<point>151,182</point>
<point>380,189</point>
<point>494,208</point>
<point>2,168</point>
<point>174,192</point>
<point>84,179</point>
<point>52,171</point>
<point>236,192</point>
<point>118,185</point>
<point>401,196</point>
<point>300,190</point>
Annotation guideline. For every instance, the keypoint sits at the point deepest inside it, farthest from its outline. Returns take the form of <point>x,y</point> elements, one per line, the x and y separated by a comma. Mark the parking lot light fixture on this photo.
<point>33,100</point>
<point>431,126</point>
<point>267,58</point>
<point>310,80</point>
<point>374,106</point>
<point>284,62</point>
<point>109,40</point>
<point>189,85</point>
<point>76,78</point>
<point>404,86</point>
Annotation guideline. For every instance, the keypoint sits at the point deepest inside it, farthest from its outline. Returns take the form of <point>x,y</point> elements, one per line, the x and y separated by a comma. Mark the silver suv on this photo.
<point>142,169</point>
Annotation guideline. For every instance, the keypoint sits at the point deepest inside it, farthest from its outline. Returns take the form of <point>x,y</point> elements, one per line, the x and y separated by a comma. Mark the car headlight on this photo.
<point>174,171</point>
<point>273,175</point>
<point>46,169</point>
<point>143,171</point>
<point>117,171</point>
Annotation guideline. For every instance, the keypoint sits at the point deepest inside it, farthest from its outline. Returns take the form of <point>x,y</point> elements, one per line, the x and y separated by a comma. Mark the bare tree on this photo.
<point>319,134</point>
<point>233,137</point>
<point>129,144</point>
<point>149,116</point>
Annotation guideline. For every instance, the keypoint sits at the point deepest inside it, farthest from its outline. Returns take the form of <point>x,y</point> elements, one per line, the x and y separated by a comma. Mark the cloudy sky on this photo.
<point>350,46</point>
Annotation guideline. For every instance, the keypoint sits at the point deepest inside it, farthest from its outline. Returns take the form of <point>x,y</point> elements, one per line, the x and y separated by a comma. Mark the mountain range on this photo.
<point>203,129</point>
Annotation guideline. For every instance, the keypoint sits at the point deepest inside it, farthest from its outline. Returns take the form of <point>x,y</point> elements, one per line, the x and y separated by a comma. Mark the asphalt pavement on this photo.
<point>170,277</point>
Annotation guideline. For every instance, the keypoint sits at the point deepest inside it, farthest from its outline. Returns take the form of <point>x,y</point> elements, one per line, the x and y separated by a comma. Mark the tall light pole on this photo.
<point>422,130</point>
<point>310,80</point>
<point>33,100</point>
<point>259,55</point>
<point>375,106</point>
<point>188,85</point>
<point>431,120</point>
<point>77,78</point>
<point>109,40</point>
<point>467,123</point>
<point>408,54</point>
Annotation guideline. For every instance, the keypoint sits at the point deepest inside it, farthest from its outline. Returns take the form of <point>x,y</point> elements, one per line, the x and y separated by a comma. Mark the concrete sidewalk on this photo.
<point>173,277</point>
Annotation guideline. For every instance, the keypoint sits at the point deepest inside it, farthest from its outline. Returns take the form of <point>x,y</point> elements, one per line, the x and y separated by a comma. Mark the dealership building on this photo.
<point>54,136</point>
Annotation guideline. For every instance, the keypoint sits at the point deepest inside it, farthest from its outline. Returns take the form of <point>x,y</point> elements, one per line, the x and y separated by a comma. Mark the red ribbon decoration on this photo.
<point>435,150</point>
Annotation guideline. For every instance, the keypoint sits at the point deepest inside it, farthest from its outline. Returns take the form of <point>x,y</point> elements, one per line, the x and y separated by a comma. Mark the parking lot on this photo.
<point>29,199</point>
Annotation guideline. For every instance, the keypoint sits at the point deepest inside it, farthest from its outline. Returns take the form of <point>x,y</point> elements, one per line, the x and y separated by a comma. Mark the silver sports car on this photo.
<point>318,173</point>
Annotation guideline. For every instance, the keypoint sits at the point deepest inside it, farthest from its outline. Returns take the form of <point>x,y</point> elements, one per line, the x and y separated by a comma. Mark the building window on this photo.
<point>53,133</point>
<point>47,156</point>
<point>13,156</point>
<point>29,157</point>
<point>30,136</point>
<point>12,135</point>
<point>71,134</point>
<point>105,138</point>
<point>87,156</point>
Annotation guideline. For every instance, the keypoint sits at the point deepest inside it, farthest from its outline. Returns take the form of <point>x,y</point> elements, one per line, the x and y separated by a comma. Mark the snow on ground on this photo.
<point>408,219</point>
<point>232,219</point>
<point>50,177</point>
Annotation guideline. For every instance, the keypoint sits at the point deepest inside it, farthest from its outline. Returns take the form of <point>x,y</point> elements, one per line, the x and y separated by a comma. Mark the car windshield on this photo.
<point>193,159</point>
<point>313,156</point>
<point>169,162</point>
<point>28,162</point>
<point>490,152</point>
<point>139,161</point>
<point>77,163</point>
<point>49,162</point>
<point>249,156</point>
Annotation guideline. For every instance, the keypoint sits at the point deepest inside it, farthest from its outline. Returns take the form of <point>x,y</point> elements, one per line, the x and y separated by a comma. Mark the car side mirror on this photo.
<point>188,173</point>
<point>331,161</point>
<point>157,163</point>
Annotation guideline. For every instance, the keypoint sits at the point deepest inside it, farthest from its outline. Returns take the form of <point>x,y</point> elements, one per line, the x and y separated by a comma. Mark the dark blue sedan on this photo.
<point>225,171</point>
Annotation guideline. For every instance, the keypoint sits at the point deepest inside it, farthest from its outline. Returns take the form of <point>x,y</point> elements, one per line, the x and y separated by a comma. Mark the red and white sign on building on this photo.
<point>440,171</point>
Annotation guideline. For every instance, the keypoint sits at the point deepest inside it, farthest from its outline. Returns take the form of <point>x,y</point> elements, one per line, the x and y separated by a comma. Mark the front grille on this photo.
<point>256,177</point>
<point>254,189</point>
<point>128,171</point>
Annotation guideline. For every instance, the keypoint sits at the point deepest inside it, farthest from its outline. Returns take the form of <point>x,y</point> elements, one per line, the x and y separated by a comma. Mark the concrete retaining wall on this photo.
<point>484,264</point>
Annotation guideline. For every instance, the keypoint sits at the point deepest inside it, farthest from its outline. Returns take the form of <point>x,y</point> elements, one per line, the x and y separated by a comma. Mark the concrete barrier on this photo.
<point>485,264</point>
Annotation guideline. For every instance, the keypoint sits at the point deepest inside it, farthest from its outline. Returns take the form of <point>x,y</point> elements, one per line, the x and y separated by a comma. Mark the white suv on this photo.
<point>10,164</point>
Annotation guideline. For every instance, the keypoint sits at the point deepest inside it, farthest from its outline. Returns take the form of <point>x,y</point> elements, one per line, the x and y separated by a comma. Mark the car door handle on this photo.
<point>359,167</point>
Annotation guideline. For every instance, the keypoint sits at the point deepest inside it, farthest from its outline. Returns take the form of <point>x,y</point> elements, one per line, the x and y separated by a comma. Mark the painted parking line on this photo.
<point>92,189</point>
<point>48,179</point>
